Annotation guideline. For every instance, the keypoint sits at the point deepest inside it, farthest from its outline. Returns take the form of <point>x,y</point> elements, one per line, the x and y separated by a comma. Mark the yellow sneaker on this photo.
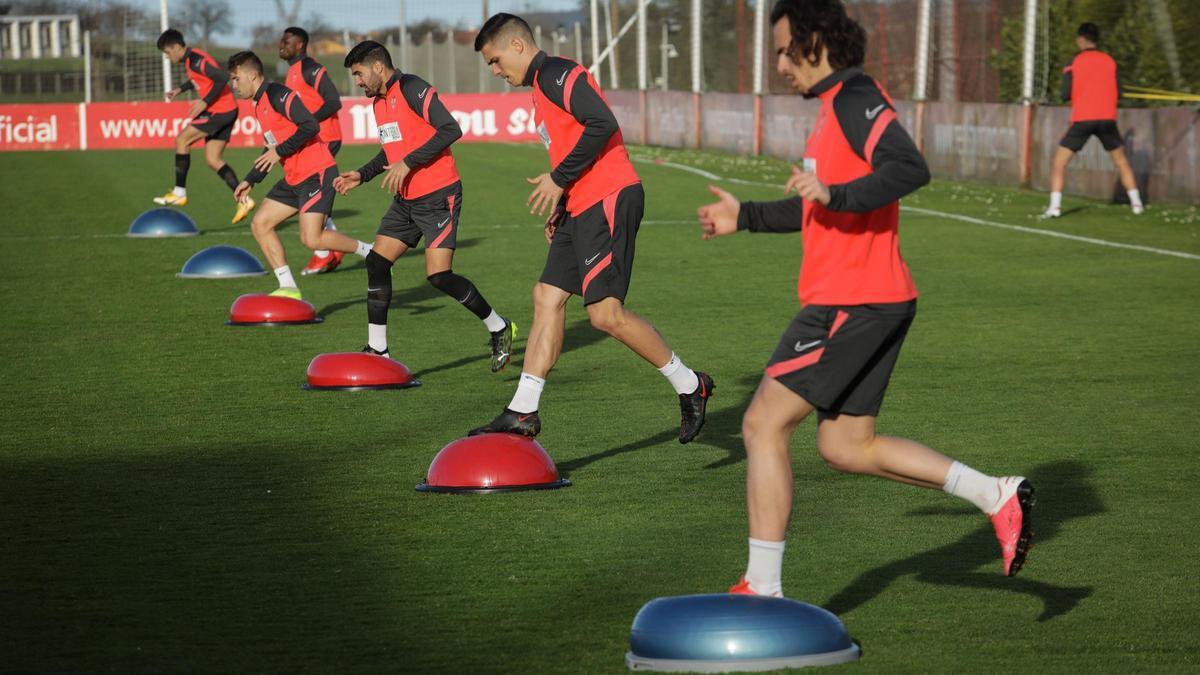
<point>293,293</point>
<point>243,209</point>
<point>171,199</point>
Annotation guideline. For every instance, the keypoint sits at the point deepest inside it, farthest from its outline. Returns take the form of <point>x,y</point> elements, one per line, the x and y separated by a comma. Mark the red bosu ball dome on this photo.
<point>355,371</point>
<point>492,463</point>
<point>260,309</point>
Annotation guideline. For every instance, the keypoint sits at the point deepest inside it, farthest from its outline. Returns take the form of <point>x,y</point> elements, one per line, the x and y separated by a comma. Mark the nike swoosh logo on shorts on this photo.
<point>592,259</point>
<point>807,345</point>
<point>443,223</point>
<point>314,193</point>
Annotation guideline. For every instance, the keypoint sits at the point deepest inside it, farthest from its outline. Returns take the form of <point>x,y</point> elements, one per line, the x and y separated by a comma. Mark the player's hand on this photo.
<point>347,181</point>
<point>195,109</point>
<point>170,95</point>
<point>556,216</point>
<point>807,186</point>
<point>720,218</point>
<point>241,192</point>
<point>267,160</point>
<point>547,194</point>
<point>393,180</point>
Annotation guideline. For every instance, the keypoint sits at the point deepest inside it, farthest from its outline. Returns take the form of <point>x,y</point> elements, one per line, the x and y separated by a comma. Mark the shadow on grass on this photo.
<point>1064,493</point>
<point>577,336</point>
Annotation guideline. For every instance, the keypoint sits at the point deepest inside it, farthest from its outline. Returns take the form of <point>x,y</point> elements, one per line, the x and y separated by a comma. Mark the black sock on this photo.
<point>182,164</point>
<point>379,288</point>
<point>462,290</point>
<point>228,176</point>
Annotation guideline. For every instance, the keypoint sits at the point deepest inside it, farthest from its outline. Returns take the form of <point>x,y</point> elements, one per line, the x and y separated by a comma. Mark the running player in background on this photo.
<point>211,117</point>
<point>292,140</point>
<point>595,201</point>
<point>310,79</point>
<point>416,131</point>
<point>1092,85</point>
<point>856,294</point>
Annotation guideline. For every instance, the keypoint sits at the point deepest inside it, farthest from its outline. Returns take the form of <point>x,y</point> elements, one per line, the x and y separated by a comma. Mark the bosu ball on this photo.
<point>357,371</point>
<point>492,463</point>
<point>725,632</point>
<point>221,262</point>
<point>163,223</point>
<point>260,309</point>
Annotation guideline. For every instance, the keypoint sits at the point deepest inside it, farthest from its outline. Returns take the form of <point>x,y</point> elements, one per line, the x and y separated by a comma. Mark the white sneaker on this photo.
<point>1138,209</point>
<point>1051,213</point>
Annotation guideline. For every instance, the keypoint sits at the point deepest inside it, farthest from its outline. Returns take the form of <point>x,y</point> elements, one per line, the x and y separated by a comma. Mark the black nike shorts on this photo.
<point>312,195</point>
<point>591,255</point>
<point>1106,130</point>
<point>839,359</point>
<point>433,216</point>
<point>216,127</point>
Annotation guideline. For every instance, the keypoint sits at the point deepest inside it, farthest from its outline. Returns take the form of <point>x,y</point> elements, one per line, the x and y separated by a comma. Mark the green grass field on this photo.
<point>171,500</point>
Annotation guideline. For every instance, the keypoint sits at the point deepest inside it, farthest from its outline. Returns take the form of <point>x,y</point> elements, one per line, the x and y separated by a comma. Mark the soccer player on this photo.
<point>292,139</point>
<point>856,294</point>
<point>416,131</point>
<point>212,117</point>
<point>310,79</point>
<point>1092,85</point>
<point>595,201</point>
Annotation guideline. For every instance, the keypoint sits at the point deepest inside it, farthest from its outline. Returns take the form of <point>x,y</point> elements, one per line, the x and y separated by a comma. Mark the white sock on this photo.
<point>764,571</point>
<point>680,376</point>
<point>1056,200</point>
<point>979,489</point>
<point>329,224</point>
<point>362,248</point>
<point>377,337</point>
<point>494,322</point>
<point>180,192</point>
<point>284,275</point>
<point>322,253</point>
<point>1135,197</point>
<point>529,392</point>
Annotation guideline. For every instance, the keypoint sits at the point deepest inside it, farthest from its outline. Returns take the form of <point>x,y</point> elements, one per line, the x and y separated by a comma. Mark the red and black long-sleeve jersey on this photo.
<point>292,130</point>
<point>209,80</point>
<point>868,161</point>
<point>309,78</point>
<point>1091,82</point>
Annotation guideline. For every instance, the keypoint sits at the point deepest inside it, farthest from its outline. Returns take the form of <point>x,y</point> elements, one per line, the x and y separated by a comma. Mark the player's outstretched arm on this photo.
<point>728,215</point>
<point>367,172</point>
<point>720,218</point>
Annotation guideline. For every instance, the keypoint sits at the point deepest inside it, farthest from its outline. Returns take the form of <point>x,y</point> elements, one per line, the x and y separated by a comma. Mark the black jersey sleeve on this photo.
<point>423,99</point>
<point>897,167</point>
<point>187,86</point>
<point>287,103</point>
<point>1067,80</point>
<point>587,107</point>
<point>254,176</point>
<point>374,167</point>
<point>331,100</point>
<point>783,215</point>
<point>219,77</point>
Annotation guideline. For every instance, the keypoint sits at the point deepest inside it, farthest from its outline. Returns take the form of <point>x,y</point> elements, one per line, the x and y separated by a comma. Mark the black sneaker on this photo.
<point>692,406</point>
<point>511,422</point>
<point>369,350</point>
<point>502,341</point>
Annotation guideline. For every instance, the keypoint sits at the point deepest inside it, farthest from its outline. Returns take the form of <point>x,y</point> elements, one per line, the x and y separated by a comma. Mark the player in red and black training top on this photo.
<point>595,202</point>
<point>856,294</point>
<point>211,117</point>
<point>310,79</point>
<point>416,131</point>
<point>1092,84</point>
<point>292,139</point>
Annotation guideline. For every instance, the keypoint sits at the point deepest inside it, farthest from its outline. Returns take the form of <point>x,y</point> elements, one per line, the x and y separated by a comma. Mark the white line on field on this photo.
<point>951,216</point>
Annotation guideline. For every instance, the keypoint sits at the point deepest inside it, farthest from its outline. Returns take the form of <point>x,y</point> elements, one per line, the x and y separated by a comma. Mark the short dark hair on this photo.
<point>298,32</point>
<point>368,52</point>
<point>817,24</point>
<point>499,24</point>
<point>170,36</point>
<point>246,59</point>
<point>1090,32</point>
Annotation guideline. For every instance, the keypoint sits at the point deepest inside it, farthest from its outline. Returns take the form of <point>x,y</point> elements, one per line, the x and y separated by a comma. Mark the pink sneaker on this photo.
<point>743,588</point>
<point>1014,522</point>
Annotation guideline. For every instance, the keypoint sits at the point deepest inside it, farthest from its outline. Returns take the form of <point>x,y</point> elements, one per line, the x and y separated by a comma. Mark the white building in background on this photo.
<point>39,36</point>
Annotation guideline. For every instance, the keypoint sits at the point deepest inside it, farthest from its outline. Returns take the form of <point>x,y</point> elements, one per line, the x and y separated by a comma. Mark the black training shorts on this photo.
<point>313,195</point>
<point>433,216</point>
<point>1079,133</point>
<point>218,127</point>
<point>839,359</point>
<point>591,255</point>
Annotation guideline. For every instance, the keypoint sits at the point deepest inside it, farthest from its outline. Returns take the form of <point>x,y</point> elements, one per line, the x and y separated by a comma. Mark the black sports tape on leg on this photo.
<point>227,174</point>
<point>462,290</point>
<point>182,164</point>
<point>379,288</point>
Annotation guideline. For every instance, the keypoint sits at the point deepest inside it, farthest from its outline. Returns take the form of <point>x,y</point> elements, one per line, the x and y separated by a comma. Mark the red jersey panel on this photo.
<point>403,129</point>
<point>271,109</point>
<point>298,77</point>
<point>194,63</point>
<point>1093,86</point>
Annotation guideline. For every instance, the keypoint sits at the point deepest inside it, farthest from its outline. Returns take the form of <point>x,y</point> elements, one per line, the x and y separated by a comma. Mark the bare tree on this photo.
<point>209,16</point>
<point>288,17</point>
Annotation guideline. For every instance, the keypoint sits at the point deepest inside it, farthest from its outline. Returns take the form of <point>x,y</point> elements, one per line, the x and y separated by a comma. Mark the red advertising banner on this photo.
<point>145,125</point>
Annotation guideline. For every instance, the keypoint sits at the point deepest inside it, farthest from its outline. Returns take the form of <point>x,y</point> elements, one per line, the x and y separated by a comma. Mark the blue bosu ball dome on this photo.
<point>221,262</point>
<point>163,223</point>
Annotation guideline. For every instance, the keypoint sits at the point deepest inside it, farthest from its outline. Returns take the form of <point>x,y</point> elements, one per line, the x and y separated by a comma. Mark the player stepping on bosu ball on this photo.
<point>291,134</point>
<point>307,77</point>
<point>416,131</point>
<point>595,201</point>
<point>211,117</point>
<point>858,298</point>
